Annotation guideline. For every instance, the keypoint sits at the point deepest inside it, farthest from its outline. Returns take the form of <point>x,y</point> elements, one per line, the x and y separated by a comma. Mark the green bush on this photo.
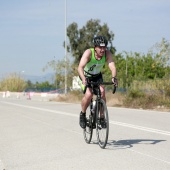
<point>135,93</point>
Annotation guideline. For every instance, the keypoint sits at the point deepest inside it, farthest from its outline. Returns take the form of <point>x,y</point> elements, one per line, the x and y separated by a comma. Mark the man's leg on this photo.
<point>102,118</point>
<point>102,89</point>
<point>86,99</point>
<point>84,104</point>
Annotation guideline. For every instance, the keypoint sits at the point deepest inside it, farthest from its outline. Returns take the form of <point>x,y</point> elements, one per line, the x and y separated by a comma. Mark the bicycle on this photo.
<point>97,116</point>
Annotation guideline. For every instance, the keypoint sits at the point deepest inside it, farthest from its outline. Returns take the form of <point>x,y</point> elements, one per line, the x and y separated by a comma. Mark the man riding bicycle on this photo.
<point>90,67</point>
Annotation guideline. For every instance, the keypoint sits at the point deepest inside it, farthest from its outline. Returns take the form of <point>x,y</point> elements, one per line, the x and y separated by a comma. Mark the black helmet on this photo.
<point>100,41</point>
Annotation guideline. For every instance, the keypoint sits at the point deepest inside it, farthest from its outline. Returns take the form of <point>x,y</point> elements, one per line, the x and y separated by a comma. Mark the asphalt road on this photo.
<point>42,135</point>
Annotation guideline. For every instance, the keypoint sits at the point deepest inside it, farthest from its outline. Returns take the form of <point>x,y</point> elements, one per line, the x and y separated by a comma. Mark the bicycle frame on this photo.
<point>98,98</point>
<point>96,91</point>
<point>98,118</point>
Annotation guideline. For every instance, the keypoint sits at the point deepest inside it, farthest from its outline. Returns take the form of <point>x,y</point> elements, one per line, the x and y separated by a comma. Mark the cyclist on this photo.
<point>90,66</point>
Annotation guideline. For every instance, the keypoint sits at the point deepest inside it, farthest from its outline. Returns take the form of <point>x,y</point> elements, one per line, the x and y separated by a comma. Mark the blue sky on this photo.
<point>32,31</point>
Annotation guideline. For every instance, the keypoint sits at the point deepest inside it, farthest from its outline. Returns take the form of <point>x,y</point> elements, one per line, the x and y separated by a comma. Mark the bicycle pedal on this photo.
<point>94,126</point>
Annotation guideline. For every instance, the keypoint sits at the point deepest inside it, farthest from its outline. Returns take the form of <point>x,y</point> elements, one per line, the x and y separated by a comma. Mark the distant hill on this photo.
<point>37,78</point>
<point>42,78</point>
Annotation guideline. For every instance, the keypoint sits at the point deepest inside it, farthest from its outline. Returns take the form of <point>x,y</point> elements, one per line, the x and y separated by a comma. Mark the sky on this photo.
<point>32,32</point>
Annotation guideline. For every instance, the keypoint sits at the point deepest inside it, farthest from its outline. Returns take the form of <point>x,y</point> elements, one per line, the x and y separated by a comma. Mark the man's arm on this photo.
<point>112,67</point>
<point>111,63</point>
<point>84,60</point>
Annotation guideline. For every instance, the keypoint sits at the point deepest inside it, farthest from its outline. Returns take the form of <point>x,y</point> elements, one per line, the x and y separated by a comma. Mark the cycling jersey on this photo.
<point>94,66</point>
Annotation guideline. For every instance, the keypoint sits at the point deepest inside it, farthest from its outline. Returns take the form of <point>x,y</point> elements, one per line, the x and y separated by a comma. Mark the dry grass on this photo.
<point>76,96</point>
<point>114,99</point>
<point>71,97</point>
<point>148,102</point>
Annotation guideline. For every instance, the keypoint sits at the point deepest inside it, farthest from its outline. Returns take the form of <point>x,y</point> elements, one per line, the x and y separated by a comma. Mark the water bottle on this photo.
<point>93,107</point>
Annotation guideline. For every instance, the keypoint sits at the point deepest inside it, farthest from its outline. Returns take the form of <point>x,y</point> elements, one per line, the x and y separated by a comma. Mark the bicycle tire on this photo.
<point>88,131</point>
<point>102,131</point>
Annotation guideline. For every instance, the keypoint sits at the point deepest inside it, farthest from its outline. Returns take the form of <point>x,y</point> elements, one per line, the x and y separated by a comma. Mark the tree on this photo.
<point>79,41</point>
<point>29,84</point>
<point>82,39</point>
<point>44,86</point>
<point>59,67</point>
<point>161,53</point>
<point>142,67</point>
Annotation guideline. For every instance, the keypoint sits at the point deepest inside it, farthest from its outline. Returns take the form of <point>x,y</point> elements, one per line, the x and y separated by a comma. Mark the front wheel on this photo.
<point>102,129</point>
<point>88,131</point>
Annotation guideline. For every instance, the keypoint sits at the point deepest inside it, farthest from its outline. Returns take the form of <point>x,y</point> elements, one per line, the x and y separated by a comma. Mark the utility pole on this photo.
<point>65,46</point>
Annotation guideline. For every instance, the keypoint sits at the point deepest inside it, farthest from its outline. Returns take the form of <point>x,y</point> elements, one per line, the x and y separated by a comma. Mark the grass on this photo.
<point>71,97</point>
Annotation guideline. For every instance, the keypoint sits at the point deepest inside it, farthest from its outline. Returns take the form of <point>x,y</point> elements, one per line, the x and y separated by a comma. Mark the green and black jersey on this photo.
<point>94,66</point>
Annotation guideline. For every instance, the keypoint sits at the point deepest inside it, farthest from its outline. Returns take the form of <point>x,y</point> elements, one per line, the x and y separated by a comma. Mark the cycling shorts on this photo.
<point>92,78</point>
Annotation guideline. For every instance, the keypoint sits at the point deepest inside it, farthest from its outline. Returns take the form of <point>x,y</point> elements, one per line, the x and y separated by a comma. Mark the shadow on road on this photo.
<point>129,143</point>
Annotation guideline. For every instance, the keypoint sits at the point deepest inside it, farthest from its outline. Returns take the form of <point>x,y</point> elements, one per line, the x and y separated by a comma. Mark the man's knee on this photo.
<point>88,96</point>
<point>102,93</point>
<point>88,93</point>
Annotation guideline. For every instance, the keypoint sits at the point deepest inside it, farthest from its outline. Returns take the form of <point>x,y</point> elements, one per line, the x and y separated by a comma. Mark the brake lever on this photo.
<point>114,89</point>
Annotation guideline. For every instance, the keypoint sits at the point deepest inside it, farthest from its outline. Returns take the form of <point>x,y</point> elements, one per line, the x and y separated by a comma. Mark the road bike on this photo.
<point>97,116</point>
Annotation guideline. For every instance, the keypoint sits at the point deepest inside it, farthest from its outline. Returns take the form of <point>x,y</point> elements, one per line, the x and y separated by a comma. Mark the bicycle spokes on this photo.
<point>102,124</point>
<point>88,131</point>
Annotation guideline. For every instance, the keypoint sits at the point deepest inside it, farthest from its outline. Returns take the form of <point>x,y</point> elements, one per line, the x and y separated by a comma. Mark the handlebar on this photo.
<point>102,83</point>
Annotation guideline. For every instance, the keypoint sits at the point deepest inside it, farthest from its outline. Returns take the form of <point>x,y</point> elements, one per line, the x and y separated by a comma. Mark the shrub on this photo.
<point>12,83</point>
<point>135,94</point>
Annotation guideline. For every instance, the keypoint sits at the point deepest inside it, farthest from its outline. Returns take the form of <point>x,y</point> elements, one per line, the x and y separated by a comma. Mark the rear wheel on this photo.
<point>88,131</point>
<point>102,129</point>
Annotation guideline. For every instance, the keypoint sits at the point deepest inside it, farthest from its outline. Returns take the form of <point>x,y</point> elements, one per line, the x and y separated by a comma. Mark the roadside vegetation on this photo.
<point>144,79</point>
<point>131,99</point>
<point>13,82</point>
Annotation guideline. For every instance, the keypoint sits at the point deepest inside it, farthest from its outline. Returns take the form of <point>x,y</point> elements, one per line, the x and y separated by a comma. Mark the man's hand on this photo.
<point>115,81</point>
<point>84,81</point>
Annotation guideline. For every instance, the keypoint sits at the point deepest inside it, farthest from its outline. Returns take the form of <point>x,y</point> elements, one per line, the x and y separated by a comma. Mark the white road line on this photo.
<point>50,126</point>
<point>167,162</point>
<point>47,110</point>
<point>140,128</point>
<point>139,110</point>
<point>111,122</point>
